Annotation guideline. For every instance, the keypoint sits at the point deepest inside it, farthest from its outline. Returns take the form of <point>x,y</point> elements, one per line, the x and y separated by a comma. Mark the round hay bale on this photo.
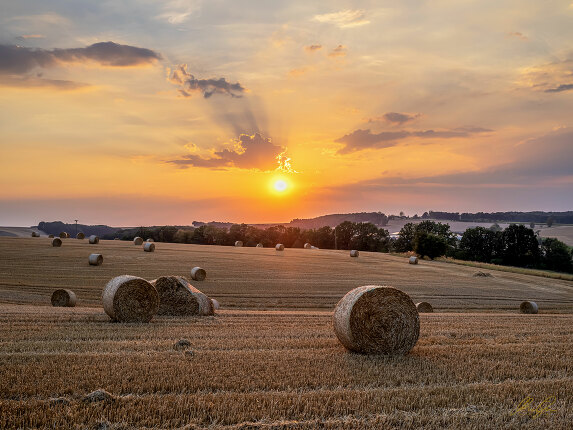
<point>57,241</point>
<point>260,245</point>
<point>178,297</point>
<point>128,298</point>
<point>137,241</point>
<point>528,307</point>
<point>150,240</point>
<point>307,246</point>
<point>80,235</point>
<point>35,234</point>
<point>413,260</point>
<point>181,345</point>
<point>50,236</point>
<point>64,298</point>
<point>94,239</point>
<point>238,243</point>
<point>354,253</point>
<point>149,247</point>
<point>424,307</point>
<point>198,274</point>
<point>95,259</point>
<point>64,235</point>
<point>280,247</point>
<point>377,320</point>
<point>216,305</point>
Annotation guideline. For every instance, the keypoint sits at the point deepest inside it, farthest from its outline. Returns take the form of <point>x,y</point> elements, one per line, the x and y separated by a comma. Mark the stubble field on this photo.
<point>269,358</point>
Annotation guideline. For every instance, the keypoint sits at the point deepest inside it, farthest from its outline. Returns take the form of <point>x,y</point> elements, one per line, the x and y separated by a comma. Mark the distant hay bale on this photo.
<point>280,247</point>
<point>64,235</point>
<point>95,259</point>
<point>424,307</point>
<point>149,247</point>
<point>483,274</point>
<point>129,298</point>
<point>413,260</point>
<point>354,253</point>
<point>181,345</point>
<point>94,239</point>
<point>149,240</point>
<point>137,241</point>
<point>64,298</point>
<point>178,297</point>
<point>80,235</point>
<point>98,396</point>
<point>57,241</point>
<point>198,274</point>
<point>35,234</point>
<point>50,236</point>
<point>259,245</point>
<point>528,307</point>
<point>377,320</point>
<point>238,243</point>
<point>307,246</point>
<point>215,304</point>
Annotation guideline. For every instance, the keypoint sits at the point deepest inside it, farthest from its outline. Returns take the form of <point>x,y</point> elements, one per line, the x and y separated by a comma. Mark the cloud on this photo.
<point>31,36</point>
<point>343,19</point>
<point>339,51</point>
<point>518,35</point>
<point>312,48</point>
<point>360,139</point>
<point>21,60</point>
<point>295,73</point>
<point>179,11</point>
<point>36,82</point>
<point>560,88</point>
<point>249,152</point>
<point>395,117</point>
<point>188,84</point>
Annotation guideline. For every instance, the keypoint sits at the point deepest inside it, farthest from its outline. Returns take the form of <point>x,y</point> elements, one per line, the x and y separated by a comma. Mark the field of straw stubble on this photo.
<point>269,358</point>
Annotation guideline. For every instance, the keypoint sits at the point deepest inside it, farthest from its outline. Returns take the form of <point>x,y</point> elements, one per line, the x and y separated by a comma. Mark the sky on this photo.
<point>146,112</point>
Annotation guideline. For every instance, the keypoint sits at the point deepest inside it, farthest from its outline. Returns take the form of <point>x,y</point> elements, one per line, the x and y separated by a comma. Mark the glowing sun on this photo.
<point>280,185</point>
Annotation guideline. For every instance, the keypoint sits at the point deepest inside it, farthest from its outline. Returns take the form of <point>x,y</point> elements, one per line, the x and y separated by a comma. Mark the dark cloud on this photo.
<point>189,84</point>
<point>339,51</point>
<point>364,139</point>
<point>250,152</point>
<point>395,117</point>
<point>560,88</point>
<point>19,60</point>
<point>312,48</point>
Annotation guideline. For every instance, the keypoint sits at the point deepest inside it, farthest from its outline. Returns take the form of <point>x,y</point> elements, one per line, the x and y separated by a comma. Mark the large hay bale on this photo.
<point>64,235</point>
<point>94,239</point>
<point>178,297</point>
<point>137,241</point>
<point>424,307</point>
<point>307,246</point>
<point>354,253</point>
<point>198,274</point>
<point>129,298</point>
<point>238,243</point>
<point>64,298</point>
<point>215,304</point>
<point>528,307</point>
<point>260,245</point>
<point>377,320</point>
<point>413,260</point>
<point>149,240</point>
<point>149,247</point>
<point>35,234</point>
<point>80,235</point>
<point>280,247</point>
<point>57,241</point>
<point>95,259</point>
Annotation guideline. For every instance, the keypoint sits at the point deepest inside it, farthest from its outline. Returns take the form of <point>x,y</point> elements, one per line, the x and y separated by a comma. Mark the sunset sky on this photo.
<point>149,112</point>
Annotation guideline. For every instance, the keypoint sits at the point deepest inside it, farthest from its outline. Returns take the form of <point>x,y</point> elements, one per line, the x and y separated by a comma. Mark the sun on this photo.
<point>280,185</point>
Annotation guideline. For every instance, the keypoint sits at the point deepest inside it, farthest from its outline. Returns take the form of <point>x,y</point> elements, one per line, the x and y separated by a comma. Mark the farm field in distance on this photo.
<point>269,358</point>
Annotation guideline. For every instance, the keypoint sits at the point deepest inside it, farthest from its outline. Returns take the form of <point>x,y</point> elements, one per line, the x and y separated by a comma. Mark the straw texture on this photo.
<point>178,297</point>
<point>128,298</point>
<point>198,274</point>
<point>64,298</point>
<point>424,307</point>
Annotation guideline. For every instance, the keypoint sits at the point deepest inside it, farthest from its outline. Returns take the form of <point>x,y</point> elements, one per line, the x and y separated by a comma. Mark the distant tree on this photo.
<point>480,244</point>
<point>405,241</point>
<point>368,237</point>
<point>402,214</point>
<point>495,227</point>
<point>429,244</point>
<point>344,233</point>
<point>549,221</point>
<point>556,255</point>
<point>519,246</point>
<point>532,225</point>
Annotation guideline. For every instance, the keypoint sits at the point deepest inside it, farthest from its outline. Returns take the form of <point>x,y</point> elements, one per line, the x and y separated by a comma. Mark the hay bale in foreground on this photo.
<point>64,235</point>
<point>80,236</point>
<point>424,307</point>
<point>129,298</point>
<point>35,234</point>
<point>95,259</point>
<point>413,260</point>
<point>280,247</point>
<point>50,236</point>
<point>149,247</point>
<point>307,246</point>
<point>57,241</point>
<point>528,307</point>
<point>94,239</point>
<point>137,241</point>
<point>198,274</point>
<point>64,298</point>
<point>216,305</point>
<point>260,245</point>
<point>238,243</point>
<point>354,253</point>
<point>377,320</point>
<point>178,297</point>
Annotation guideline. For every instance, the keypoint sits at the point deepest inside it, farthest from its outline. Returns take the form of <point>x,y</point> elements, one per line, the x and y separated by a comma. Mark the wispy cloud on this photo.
<point>344,18</point>
<point>560,88</point>
<point>395,117</point>
<point>339,51</point>
<point>188,84</point>
<point>179,11</point>
<point>312,48</point>
<point>517,35</point>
